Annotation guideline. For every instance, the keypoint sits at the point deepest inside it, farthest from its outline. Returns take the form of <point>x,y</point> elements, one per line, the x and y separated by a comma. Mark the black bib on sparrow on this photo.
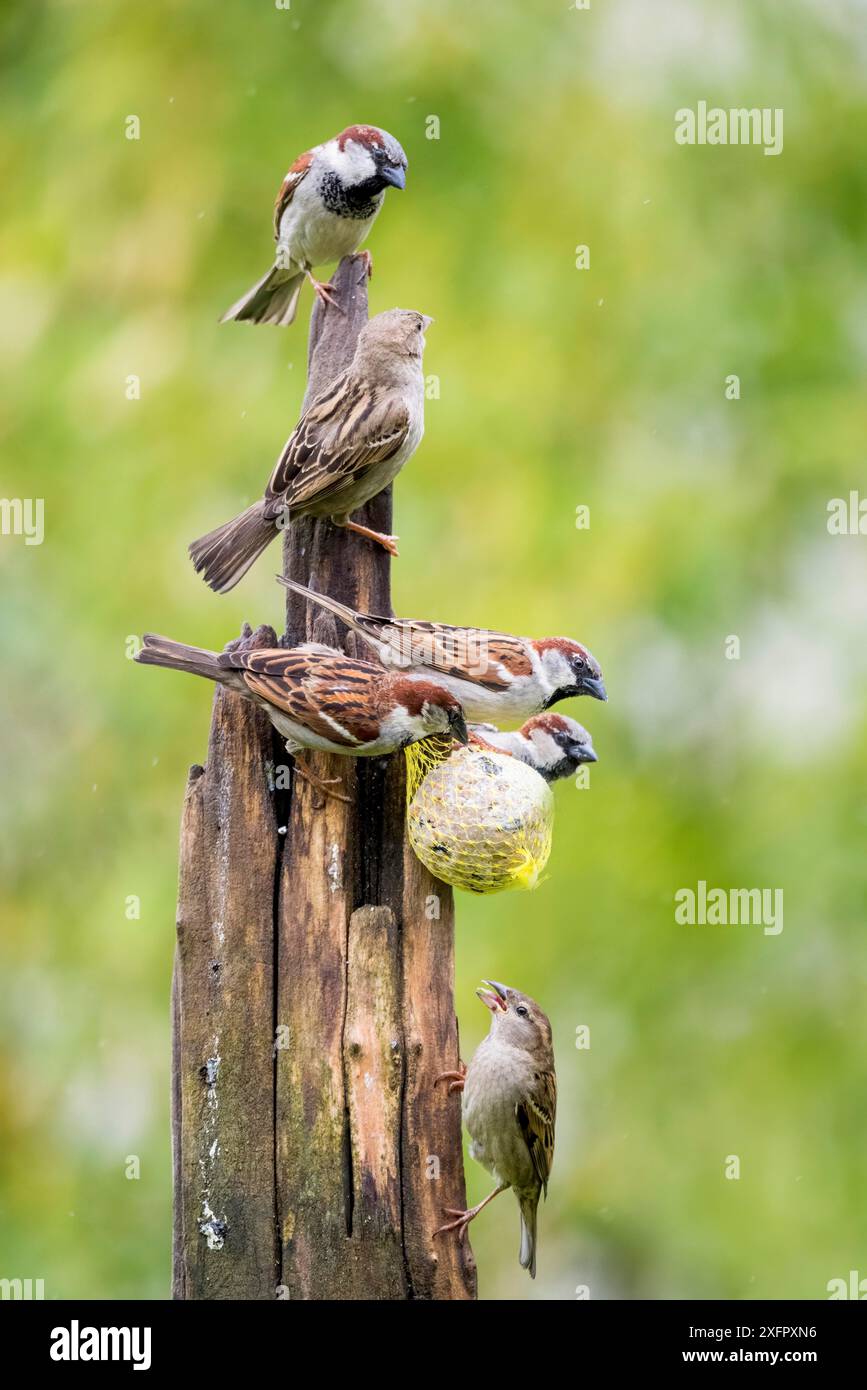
<point>358,202</point>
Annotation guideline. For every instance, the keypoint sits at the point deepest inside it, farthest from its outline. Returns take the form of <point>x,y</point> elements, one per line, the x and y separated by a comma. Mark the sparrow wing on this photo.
<point>334,697</point>
<point>535,1115</point>
<point>295,174</point>
<point>342,434</point>
<point>489,659</point>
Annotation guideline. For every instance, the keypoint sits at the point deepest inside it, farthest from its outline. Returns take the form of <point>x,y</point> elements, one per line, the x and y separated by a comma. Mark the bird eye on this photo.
<point>522,1011</point>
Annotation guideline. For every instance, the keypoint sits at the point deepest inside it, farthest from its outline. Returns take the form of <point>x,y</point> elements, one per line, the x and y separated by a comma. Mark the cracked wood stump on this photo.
<point>312,1001</point>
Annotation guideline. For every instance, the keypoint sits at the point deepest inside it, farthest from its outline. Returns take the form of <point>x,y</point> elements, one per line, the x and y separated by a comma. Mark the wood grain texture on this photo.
<point>373,1069</point>
<point>341,973</point>
<point>433,1169</point>
<point>223,999</point>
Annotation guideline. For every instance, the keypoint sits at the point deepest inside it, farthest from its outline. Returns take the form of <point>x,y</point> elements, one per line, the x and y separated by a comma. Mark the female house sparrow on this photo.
<point>509,1107</point>
<point>327,204</point>
<point>497,678</point>
<point>552,744</point>
<point>349,444</point>
<point>318,698</point>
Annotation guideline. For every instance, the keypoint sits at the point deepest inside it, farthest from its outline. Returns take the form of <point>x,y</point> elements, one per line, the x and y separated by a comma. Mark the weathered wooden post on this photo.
<point>313,990</point>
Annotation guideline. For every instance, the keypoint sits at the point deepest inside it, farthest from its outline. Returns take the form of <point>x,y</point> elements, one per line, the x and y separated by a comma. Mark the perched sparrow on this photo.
<point>497,678</point>
<point>326,206</point>
<point>349,444</point>
<point>509,1106</point>
<point>551,743</point>
<point>318,698</point>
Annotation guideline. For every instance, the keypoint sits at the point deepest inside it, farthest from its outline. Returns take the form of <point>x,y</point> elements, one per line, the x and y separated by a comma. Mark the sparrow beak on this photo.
<point>585,753</point>
<point>494,997</point>
<point>393,174</point>
<point>593,685</point>
<point>427,322</point>
<point>458,726</point>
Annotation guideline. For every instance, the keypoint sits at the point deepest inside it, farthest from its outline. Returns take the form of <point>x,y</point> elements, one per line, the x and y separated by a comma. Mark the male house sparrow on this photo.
<point>509,1107</point>
<point>552,744</point>
<point>350,443</point>
<point>326,206</point>
<point>318,698</point>
<point>497,678</point>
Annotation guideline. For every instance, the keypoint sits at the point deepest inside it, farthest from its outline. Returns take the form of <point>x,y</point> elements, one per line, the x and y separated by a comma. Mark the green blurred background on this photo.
<point>558,387</point>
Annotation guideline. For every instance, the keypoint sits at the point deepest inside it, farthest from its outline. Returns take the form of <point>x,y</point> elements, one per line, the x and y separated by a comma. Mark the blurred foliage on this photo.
<point>559,387</point>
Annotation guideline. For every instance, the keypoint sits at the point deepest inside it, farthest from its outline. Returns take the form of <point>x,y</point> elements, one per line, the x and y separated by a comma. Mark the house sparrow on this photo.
<point>318,698</point>
<point>326,206</point>
<point>350,443</point>
<point>552,744</point>
<point>497,678</point>
<point>509,1107</point>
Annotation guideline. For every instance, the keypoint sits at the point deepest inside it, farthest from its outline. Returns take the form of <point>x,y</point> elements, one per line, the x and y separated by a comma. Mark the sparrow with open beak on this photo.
<point>349,444</point>
<point>497,678</point>
<point>327,204</point>
<point>554,745</point>
<point>318,698</point>
<point>509,1108</point>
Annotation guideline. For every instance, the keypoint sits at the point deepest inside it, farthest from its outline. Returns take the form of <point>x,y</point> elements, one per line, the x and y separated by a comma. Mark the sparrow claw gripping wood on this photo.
<point>460,1225</point>
<point>388,543</point>
<point>322,784</point>
<point>463,1218</point>
<point>454,1078</point>
<point>325,293</point>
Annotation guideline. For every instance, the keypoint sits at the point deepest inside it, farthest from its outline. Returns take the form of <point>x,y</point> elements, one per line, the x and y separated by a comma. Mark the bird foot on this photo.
<point>388,543</point>
<point>368,263</point>
<point>323,785</point>
<point>455,1079</point>
<point>461,1221</point>
<point>324,292</point>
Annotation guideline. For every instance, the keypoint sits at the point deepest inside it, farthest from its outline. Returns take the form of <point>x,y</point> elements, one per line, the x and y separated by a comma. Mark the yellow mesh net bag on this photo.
<point>478,819</point>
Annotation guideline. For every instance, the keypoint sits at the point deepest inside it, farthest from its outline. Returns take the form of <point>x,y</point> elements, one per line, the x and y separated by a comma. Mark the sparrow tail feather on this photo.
<point>176,656</point>
<point>223,556</point>
<point>527,1256</point>
<point>274,299</point>
<point>355,621</point>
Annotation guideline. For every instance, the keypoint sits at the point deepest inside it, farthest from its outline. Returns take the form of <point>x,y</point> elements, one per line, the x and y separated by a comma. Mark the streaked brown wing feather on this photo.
<point>339,437</point>
<point>297,664</point>
<point>297,705</point>
<point>314,691</point>
<point>489,659</point>
<point>536,1115</point>
<point>511,653</point>
<point>293,177</point>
